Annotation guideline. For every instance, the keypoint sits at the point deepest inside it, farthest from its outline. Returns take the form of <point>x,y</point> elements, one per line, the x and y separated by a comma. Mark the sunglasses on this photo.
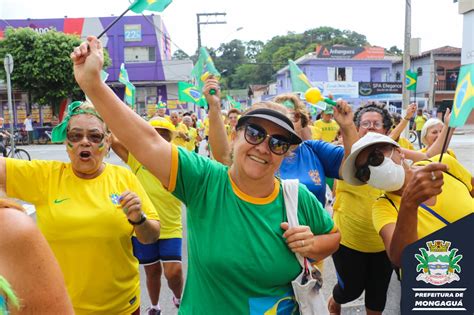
<point>76,136</point>
<point>375,158</point>
<point>255,135</point>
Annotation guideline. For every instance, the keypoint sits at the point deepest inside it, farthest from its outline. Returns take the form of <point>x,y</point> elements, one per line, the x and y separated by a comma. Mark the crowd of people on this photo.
<point>97,222</point>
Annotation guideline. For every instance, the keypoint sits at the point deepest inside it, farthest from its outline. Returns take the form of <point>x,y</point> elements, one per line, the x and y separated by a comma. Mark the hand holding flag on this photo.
<point>203,69</point>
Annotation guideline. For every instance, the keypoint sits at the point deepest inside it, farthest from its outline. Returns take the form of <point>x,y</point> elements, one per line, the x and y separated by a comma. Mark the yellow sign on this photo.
<point>46,113</point>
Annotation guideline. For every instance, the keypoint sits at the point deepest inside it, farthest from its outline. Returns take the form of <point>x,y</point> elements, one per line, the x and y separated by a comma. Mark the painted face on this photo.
<point>432,134</point>
<point>233,117</point>
<point>371,121</point>
<point>87,144</point>
<point>257,161</point>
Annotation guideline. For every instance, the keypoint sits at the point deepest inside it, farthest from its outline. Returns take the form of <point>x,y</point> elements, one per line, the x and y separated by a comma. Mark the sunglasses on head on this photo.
<point>76,136</point>
<point>255,135</point>
<point>375,158</point>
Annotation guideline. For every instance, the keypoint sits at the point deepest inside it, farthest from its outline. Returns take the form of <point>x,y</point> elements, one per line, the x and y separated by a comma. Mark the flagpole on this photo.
<point>445,144</point>
<point>112,24</point>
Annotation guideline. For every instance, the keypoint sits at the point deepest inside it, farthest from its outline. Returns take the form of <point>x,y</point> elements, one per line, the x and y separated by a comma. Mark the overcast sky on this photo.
<point>436,22</point>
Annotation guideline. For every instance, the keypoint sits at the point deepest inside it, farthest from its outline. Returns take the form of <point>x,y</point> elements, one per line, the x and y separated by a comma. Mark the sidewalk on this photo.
<point>466,129</point>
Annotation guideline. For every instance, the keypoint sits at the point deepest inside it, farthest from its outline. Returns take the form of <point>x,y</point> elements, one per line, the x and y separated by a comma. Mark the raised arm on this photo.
<point>344,116</point>
<point>151,150</point>
<point>397,131</point>
<point>220,146</point>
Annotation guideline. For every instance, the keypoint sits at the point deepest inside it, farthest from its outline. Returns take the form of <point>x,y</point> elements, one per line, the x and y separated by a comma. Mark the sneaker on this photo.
<point>152,311</point>
<point>176,302</point>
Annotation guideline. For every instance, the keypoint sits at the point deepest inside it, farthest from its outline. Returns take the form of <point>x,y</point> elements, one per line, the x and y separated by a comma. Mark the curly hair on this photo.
<point>299,106</point>
<point>374,107</point>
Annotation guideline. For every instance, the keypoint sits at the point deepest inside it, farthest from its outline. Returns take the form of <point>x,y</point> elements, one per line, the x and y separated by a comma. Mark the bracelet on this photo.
<point>141,221</point>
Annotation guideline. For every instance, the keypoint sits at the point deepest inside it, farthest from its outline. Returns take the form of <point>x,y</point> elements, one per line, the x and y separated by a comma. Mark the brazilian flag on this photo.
<point>203,69</point>
<point>464,97</point>
<point>138,6</point>
<point>410,80</point>
<point>189,93</point>
<point>299,81</point>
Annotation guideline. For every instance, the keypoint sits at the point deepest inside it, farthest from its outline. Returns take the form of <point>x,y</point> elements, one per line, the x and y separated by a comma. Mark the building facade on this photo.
<point>142,43</point>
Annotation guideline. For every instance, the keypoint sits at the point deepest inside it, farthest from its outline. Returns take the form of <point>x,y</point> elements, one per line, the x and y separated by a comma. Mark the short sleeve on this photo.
<point>331,157</point>
<point>456,169</point>
<point>312,213</point>
<point>191,173</point>
<point>383,213</point>
<point>27,180</point>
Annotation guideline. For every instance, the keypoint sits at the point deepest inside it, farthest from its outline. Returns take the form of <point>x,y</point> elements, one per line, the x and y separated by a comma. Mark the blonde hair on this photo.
<point>300,108</point>
<point>429,124</point>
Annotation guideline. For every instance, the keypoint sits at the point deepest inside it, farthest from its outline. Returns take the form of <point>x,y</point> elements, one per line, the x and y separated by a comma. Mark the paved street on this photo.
<point>462,144</point>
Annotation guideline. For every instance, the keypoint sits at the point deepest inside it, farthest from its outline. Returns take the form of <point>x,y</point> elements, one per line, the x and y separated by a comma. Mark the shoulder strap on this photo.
<point>290,195</point>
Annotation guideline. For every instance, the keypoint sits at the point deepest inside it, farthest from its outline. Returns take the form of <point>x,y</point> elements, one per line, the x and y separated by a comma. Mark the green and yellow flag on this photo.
<point>138,6</point>
<point>464,97</point>
<point>411,79</point>
<point>189,93</point>
<point>130,89</point>
<point>299,81</point>
<point>234,103</point>
<point>203,69</point>
<point>160,104</point>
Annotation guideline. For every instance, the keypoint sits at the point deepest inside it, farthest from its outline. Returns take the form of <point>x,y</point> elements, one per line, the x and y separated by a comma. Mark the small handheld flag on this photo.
<point>203,69</point>
<point>189,93</point>
<point>234,103</point>
<point>410,80</point>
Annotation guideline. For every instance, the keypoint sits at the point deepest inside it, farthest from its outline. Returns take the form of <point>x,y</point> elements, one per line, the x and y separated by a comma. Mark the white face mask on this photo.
<point>388,176</point>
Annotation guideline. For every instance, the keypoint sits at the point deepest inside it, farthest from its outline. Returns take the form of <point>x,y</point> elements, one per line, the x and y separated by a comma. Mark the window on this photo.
<point>398,76</point>
<point>340,74</point>
<point>440,70</point>
<point>419,71</point>
<point>139,54</point>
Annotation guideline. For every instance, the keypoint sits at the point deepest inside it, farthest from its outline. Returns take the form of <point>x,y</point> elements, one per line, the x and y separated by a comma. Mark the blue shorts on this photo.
<point>164,250</point>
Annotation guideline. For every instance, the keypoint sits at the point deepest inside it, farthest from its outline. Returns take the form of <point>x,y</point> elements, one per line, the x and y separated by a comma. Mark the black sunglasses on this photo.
<point>255,135</point>
<point>375,158</point>
<point>76,136</point>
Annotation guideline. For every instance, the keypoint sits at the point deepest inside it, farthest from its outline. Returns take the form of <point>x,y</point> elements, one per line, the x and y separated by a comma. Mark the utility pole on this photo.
<point>216,20</point>
<point>8,64</point>
<point>406,55</point>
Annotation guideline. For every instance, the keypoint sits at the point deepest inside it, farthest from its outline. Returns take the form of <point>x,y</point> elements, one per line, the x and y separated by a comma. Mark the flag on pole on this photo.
<point>299,81</point>
<point>129,87</point>
<point>138,6</point>
<point>189,93</point>
<point>234,103</point>
<point>464,97</point>
<point>203,69</point>
<point>410,80</point>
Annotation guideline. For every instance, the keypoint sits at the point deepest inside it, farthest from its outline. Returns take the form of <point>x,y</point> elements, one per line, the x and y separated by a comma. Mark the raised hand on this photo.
<point>425,182</point>
<point>212,84</point>
<point>88,59</point>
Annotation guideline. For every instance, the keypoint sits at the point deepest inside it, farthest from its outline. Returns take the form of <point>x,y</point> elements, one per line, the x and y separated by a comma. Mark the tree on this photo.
<point>180,55</point>
<point>229,56</point>
<point>43,66</point>
<point>252,49</point>
<point>395,50</point>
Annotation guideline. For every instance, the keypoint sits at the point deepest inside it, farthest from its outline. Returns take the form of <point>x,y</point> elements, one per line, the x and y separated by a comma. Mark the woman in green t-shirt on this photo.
<point>241,250</point>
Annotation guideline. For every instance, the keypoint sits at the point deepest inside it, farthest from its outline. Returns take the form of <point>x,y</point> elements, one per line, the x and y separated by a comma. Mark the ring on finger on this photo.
<point>433,176</point>
<point>302,243</point>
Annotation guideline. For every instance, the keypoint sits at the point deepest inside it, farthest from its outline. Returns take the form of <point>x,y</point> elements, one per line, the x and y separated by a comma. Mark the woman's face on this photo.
<point>371,122</point>
<point>257,161</point>
<point>233,117</point>
<point>432,134</point>
<point>87,144</point>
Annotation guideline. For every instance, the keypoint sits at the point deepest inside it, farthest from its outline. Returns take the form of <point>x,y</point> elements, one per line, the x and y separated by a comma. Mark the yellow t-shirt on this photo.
<point>191,144</point>
<point>449,151</point>
<point>454,202</point>
<point>420,122</point>
<point>206,126</point>
<point>328,129</point>
<point>353,217</point>
<point>167,206</point>
<point>178,140</point>
<point>405,143</point>
<point>87,230</point>
<point>315,133</point>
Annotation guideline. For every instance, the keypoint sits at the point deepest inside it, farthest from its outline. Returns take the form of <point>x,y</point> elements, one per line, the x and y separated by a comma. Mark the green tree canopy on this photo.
<point>42,64</point>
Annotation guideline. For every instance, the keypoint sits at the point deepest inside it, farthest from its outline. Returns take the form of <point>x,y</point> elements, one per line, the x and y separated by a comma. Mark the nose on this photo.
<point>263,147</point>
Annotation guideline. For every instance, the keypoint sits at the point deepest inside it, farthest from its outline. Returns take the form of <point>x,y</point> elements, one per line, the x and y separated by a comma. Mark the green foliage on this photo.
<point>42,64</point>
<point>453,260</point>
<point>423,259</point>
<point>180,55</point>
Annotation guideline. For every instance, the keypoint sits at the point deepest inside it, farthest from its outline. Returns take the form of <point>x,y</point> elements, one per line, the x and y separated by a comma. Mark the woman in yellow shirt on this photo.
<point>88,210</point>
<point>431,131</point>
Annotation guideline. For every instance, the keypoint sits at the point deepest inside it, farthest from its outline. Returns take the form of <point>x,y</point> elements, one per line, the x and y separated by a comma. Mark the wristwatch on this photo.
<point>139,222</point>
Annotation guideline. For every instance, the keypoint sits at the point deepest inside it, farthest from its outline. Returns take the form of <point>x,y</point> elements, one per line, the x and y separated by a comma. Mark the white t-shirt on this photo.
<point>28,124</point>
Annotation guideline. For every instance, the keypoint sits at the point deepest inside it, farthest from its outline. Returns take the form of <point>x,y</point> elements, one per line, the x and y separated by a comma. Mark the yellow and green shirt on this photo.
<point>328,129</point>
<point>167,205</point>
<point>84,224</point>
<point>353,217</point>
<point>454,202</point>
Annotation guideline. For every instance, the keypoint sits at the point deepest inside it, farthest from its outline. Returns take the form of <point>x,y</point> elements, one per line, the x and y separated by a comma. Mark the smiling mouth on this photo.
<point>256,159</point>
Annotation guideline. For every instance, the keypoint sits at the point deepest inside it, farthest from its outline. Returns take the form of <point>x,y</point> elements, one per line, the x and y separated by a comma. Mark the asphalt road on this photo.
<point>462,144</point>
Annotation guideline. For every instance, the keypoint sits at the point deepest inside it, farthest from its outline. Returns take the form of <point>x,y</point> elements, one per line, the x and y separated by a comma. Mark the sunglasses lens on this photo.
<point>95,137</point>
<point>363,174</point>
<point>254,135</point>
<point>74,136</point>
<point>279,145</point>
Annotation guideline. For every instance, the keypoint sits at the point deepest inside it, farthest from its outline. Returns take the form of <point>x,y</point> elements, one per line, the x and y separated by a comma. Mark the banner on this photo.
<point>340,52</point>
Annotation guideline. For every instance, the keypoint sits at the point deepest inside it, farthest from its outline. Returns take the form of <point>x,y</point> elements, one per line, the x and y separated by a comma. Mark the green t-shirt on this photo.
<point>239,262</point>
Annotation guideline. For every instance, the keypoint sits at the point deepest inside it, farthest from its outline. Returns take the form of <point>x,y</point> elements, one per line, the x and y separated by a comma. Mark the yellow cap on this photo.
<point>162,123</point>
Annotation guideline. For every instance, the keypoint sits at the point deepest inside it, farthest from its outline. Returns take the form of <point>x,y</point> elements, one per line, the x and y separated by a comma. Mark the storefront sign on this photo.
<point>341,52</point>
<point>133,32</point>
<point>376,88</point>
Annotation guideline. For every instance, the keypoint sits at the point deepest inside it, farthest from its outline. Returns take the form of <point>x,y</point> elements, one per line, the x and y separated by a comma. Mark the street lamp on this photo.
<point>232,32</point>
